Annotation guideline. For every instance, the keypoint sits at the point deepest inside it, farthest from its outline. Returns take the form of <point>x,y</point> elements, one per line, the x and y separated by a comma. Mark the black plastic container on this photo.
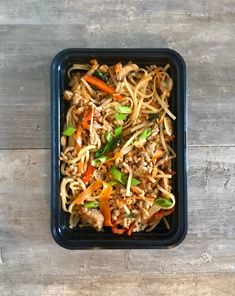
<point>88,238</point>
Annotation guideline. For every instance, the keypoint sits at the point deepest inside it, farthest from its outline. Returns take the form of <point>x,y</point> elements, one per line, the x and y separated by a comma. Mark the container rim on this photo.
<point>56,230</point>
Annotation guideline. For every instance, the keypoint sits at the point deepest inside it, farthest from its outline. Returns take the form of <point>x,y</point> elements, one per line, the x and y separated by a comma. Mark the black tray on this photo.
<point>89,238</point>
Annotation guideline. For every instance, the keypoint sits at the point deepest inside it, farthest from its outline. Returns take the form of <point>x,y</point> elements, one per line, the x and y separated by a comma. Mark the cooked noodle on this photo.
<point>116,153</point>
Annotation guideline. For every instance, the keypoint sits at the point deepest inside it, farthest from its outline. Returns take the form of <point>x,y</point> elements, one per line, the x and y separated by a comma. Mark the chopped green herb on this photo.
<point>112,183</point>
<point>163,202</point>
<point>118,131</point>
<point>122,177</point>
<point>135,182</point>
<point>152,116</point>
<point>69,131</point>
<point>99,160</point>
<point>108,136</point>
<point>121,116</point>
<point>146,133</point>
<point>91,204</point>
<point>117,175</point>
<point>101,75</point>
<point>131,215</point>
<point>108,147</point>
<point>123,109</point>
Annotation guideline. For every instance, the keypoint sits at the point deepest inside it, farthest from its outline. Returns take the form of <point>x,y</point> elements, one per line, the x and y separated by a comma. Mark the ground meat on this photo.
<point>92,217</point>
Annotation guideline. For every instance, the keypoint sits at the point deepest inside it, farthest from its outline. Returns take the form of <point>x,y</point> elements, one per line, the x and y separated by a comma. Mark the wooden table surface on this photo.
<point>31,33</point>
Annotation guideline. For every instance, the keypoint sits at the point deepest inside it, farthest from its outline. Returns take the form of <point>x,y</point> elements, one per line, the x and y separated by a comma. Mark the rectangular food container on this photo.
<point>83,238</point>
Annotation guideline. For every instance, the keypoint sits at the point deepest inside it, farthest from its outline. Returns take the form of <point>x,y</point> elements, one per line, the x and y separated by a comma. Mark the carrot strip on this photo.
<point>117,96</point>
<point>104,205</point>
<point>118,230</point>
<point>86,193</point>
<point>131,228</point>
<point>101,85</point>
<point>103,197</point>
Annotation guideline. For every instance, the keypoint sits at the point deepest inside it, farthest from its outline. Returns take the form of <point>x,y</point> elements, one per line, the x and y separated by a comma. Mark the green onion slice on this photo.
<point>99,160</point>
<point>123,109</point>
<point>118,131</point>
<point>145,134</point>
<point>69,131</point>
<point>163,202</point>
<point>91,204</point>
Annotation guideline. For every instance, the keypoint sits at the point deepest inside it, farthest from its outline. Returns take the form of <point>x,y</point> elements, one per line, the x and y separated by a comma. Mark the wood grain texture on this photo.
<point>131,285</point>
<point>26,52</point>
<point>31,260</point>
<point>103,12</point>
<point>31,33</point>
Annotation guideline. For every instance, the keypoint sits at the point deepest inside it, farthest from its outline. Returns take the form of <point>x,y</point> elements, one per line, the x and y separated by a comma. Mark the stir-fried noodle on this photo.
<point>116,154</point>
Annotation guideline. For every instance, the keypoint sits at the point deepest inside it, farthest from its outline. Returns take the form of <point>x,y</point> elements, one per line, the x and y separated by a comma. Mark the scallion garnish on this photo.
<point>69,131</point>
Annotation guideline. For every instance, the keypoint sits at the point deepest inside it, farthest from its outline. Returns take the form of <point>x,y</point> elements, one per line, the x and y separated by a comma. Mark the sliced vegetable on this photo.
<point>118,230</point>
<point>104,204</point>
<point>108,136</point>
<point>99,160</point>
<point>131,215</point>
<point>153,116</point>
<point>99,84</point>
<point>131,228</point>
<point>117,96</point>
<point>120,116</point>
<point>163,202</point>
<point>168,125</point>
<point>146,133</point>
<point>118,175</point>
<point>91,204</point>
<point>118,131</point>
<point>101,75</point>
<point>87,120</point>
<point>86,194</point>
<point>123,109</point>
<point>78,135</point>
<point>103,197</point>
<point>69,131</point>
<point>162,213</point>
<point>135,182</point>
<point>122,177</point>
<point>88,173</point>
<point>112,183</point>
<point>110,146</point>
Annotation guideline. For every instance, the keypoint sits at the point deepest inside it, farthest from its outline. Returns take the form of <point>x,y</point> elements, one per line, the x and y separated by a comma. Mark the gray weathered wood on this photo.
<point>26,52</point>
<point>105,12</point>
<point>29,254</point>
<point>130,285</point>
<point>31,33</point>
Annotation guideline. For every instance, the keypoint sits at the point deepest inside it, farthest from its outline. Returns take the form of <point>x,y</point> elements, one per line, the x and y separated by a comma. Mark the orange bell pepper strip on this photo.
<point>88,173</point>
<point>78,136</point>
<point>87,120</point>
<point>101,85</point>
